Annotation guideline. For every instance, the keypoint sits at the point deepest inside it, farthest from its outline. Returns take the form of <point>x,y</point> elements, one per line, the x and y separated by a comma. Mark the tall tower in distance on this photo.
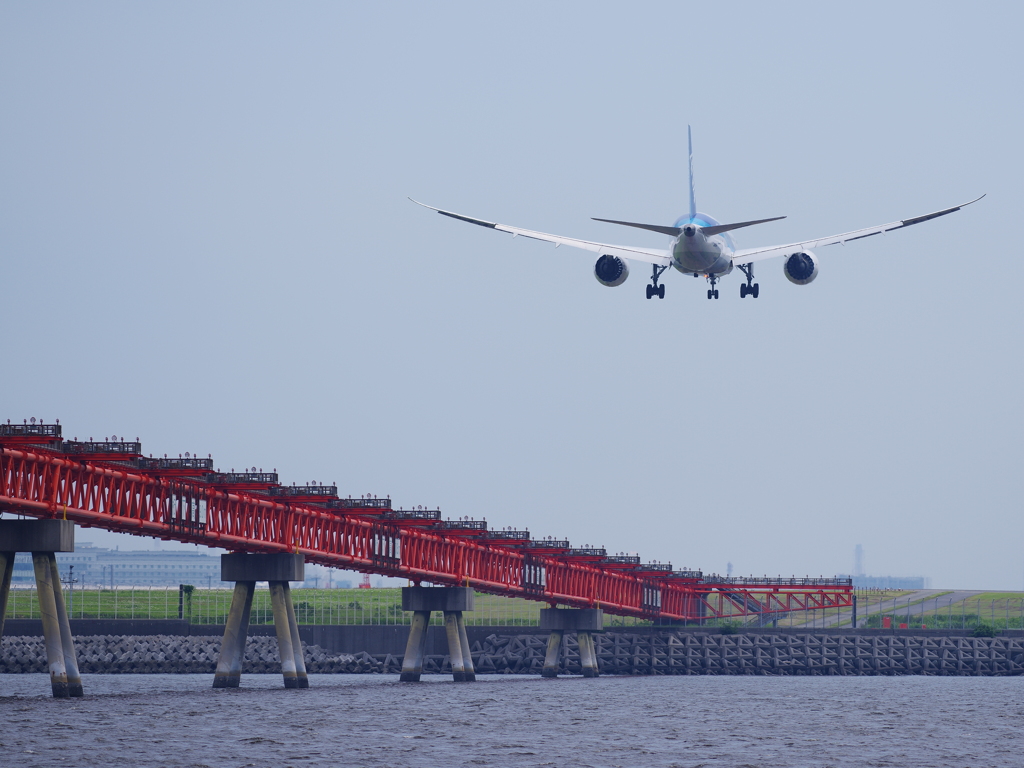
<point>858,560</point>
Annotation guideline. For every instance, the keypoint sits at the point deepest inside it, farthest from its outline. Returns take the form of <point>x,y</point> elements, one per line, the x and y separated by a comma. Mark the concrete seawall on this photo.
<point>385,639</point>
<point>649,652</point>
<point>669,653</point>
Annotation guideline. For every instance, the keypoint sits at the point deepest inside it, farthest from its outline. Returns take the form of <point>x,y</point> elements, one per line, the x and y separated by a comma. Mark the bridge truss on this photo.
<point>111,485</point>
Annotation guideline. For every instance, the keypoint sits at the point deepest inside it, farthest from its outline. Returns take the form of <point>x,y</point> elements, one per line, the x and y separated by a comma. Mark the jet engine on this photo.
<point>611,271</point>
<point>801,268</point>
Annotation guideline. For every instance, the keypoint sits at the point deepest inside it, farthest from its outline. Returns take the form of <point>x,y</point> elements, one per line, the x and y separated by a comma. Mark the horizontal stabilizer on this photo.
<point>670,231</point>
<point>720,228</point>
<point>676,231</point>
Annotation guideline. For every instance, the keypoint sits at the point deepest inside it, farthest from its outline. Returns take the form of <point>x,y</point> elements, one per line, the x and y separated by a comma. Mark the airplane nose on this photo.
<point>689,230</point>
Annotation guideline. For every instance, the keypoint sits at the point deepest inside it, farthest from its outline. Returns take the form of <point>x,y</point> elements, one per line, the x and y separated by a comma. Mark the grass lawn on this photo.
<point>355,606</point>
<point>990,596</point>
<point>1000,610</point>
<point>312,606</point>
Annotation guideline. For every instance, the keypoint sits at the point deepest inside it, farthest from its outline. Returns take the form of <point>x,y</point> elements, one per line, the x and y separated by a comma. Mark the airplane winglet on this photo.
<point>478,222</point>
<point>929,216</point>
<point>423,204</point>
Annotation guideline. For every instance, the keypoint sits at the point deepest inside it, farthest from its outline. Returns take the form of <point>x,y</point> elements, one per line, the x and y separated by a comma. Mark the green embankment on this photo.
<point>312,606</point>
<point>998,610</point>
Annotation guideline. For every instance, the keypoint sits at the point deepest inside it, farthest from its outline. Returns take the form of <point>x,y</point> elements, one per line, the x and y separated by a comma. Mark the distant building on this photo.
<point>889,582</point>
<point>98,566</point>
<point>322,577</point>
<point>882,582</point>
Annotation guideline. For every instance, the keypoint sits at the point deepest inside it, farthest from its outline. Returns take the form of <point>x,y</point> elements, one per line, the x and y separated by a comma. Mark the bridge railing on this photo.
<point>104,447</point>
<point>47,431</point>
<point>776,581</point>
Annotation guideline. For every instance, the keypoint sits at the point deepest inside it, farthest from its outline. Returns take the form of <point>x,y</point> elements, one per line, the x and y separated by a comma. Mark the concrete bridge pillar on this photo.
<point>451,601</point>
<point>584,622</point>
<point>553,654</point>
<point>245,570</point>
<point>6,572</point>
<point>43,538</point>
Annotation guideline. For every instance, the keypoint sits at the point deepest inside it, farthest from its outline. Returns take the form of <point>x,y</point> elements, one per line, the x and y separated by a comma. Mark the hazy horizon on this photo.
<point>206,242</point>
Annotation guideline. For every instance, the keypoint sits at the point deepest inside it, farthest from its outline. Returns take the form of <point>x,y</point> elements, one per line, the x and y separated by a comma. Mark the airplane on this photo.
<point>701,246</point>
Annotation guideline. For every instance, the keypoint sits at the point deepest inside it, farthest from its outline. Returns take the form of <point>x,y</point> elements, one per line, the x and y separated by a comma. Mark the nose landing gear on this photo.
<point>654,289</point>
<point>748,289</point>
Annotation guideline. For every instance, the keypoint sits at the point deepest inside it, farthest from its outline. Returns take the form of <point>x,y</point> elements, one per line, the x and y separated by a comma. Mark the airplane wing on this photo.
<point>748,255</point>
<point>661,257</point>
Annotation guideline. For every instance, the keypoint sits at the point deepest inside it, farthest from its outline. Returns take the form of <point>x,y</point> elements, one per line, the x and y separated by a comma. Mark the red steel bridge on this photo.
<point>112,485</point>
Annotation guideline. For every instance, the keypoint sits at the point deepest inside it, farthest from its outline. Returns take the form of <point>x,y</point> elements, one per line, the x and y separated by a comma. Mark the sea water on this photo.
<point>505,720</point>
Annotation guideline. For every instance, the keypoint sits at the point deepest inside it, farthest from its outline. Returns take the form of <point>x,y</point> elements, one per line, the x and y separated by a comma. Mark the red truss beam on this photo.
<point>44,484</point>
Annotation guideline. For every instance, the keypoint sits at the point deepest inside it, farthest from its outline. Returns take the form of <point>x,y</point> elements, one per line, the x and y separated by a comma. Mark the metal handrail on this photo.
<point>359,504</point>
<point>549,544</point>
<point>777,581</point>
<point>462,525</point>
<point>200,464</point>
<point>509,535</point>
<point>228,478</point>
<point>305,490</point>
<point>29,430</point>
<point>686,574</point>
<point>71,446</point>
<point>413,514</point>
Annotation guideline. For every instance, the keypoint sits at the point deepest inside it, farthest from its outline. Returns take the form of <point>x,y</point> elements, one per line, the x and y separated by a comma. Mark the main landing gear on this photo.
<point>654,289</point>
<point>713,291</point>
<point>748,289</point>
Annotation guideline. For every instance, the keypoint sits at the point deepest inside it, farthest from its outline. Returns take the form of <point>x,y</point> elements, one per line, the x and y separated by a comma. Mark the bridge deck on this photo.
<point>158,498</point>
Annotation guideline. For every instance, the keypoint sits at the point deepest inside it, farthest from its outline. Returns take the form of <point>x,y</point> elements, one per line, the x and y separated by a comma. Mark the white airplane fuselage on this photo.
<point>695,254</point>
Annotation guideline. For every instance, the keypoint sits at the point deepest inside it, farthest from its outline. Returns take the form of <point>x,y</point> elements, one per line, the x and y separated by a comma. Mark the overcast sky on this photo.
<point>205,242</point>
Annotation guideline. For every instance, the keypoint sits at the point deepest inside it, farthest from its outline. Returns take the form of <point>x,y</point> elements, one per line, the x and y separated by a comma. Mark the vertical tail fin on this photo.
<point>693,194</point>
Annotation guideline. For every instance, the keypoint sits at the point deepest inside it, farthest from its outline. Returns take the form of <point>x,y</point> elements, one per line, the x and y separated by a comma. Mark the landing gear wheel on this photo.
<point>713,280</point>
<point>654,289</point>
<point>751,288</point>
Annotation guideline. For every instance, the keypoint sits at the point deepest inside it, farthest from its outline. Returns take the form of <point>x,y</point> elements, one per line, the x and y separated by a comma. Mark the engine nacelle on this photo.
<point>611,270</point>
<point>801,268</point>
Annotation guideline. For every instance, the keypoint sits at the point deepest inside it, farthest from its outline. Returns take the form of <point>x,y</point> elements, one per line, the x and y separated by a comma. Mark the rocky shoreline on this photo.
<point>660,653</point>
<point>172,654</point>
